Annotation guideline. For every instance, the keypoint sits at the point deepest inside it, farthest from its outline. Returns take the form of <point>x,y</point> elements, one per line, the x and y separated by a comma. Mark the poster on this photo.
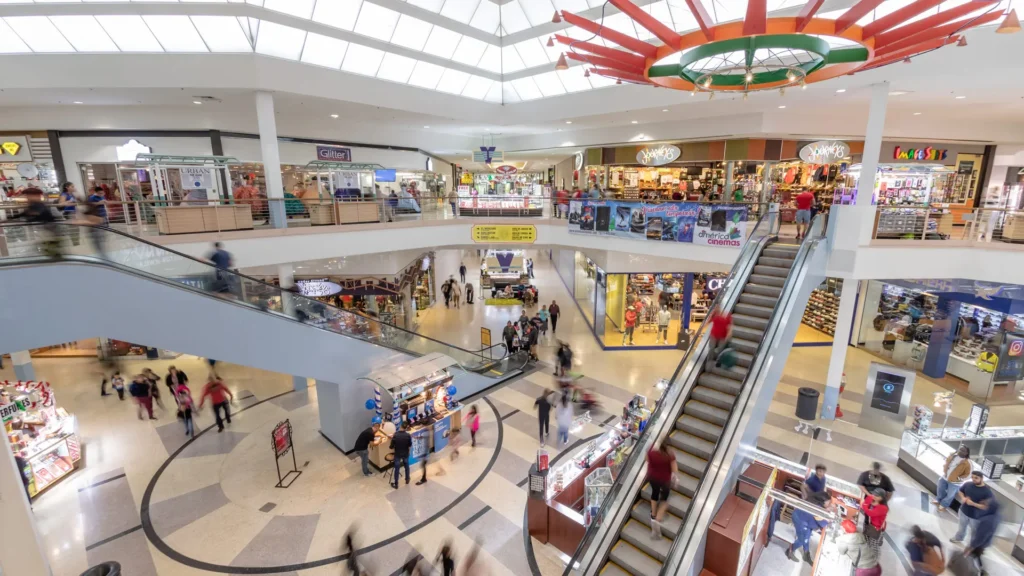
<point>442,429</point>
<point>420,445</point>
<point>686,222</point>
<point>193,178</point>
<point>1011,359</point>
<point>888,392</point>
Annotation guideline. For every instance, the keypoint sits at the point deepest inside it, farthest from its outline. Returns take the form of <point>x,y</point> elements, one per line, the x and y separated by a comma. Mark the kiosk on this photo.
<point>352,185</point>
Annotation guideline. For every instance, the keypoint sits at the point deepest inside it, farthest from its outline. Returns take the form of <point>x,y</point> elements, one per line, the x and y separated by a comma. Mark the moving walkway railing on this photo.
<point>686,546</point>
<point>602,533</point>
<point>38,243</point>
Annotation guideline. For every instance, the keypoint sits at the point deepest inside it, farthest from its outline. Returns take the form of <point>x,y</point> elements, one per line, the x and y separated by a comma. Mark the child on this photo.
<point>117,382</point>
<point>474,424</point>
<point>185,407</point>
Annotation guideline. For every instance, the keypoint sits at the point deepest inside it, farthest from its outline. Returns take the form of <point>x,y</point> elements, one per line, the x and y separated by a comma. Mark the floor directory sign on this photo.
<point>887,399</point>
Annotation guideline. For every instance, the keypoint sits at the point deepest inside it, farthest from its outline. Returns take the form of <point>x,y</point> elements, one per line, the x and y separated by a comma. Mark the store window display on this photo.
<point>819,320</point>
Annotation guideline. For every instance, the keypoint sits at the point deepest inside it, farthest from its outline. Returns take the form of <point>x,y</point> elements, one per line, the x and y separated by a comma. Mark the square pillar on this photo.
<point>840,344</point>
<point>940,346</point>
<point>23,369</point>
<point>271,158</point>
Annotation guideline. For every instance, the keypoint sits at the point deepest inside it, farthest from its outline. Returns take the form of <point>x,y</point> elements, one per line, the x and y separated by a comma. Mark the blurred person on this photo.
<point>805,523</point>
<point>95,215</point>
<point>529,267</point>
<point>456,294</point>
<point>140,391</point>
<point>563,419</point>
<point>983,534</point>
<point>721,331</point>
<point>401,444</point>
<point>564,359</point>
<point>392,206</point>
<point>67,201</point>
<point>117,383</point>
<point>474,423</point>
<point>532,337</point>
<point>222,261</point>
<point>154,387</point>
<point>955,472</point>
<point>925,551</point>
<point>977,498</point>
<point>629,325</point>
<point>352,563</point>
<point>462,272</point>
<point>445,559</point>
<point>661,469</point>
<point>98,197</point>
<point>544,316</point>
<point>366,438</point>
<point>595,192</point>
<point>555,312</point>
<point>174,379</point>
<point>804,203</point>
<point>220,396</point>
<point>469,293</point>
<point>453,199</point>
<point>186,407</point>
<point>562,199</point>
<point>853,544</point>
<point>524,321</point>
<point>446,291</point>
<point>543,406</point>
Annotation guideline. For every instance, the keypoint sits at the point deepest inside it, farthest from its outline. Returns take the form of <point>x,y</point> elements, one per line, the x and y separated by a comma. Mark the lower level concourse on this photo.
<point>160,503</point>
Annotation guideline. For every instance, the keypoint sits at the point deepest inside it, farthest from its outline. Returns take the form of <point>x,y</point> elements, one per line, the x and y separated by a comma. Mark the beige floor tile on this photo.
<point>220,535</point>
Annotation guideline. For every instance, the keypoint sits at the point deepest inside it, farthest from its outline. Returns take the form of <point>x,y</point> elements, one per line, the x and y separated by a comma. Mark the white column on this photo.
<point>23,369</point>
<point>21,549</point>
<point>837,362</point>
<point>766,181</point>
<point>730,167</point>
<point>286,279</point>
<point>271,158</point>
<point>869,162</point>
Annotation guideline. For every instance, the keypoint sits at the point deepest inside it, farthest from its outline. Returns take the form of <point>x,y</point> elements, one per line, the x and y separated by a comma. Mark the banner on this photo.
<point>688,222</point>
<point>194,178</point>
<point>506,233</point>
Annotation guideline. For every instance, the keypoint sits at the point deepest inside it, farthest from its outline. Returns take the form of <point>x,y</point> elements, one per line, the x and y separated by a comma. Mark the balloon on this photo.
<point>376,420</point>
<point>389,428</point>
<point>452,390</point>
<point>370,405</point>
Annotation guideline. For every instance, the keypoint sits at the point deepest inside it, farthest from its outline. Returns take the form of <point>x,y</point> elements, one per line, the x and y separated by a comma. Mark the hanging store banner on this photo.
<point>333,154</point>
<point>508,233</point>
<point>195,178</point>
<point>687,222</point>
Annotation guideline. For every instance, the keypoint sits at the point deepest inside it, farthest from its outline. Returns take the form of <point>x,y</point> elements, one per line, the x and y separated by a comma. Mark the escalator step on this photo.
<point>782,252</point>
<point>693,444</point>
<point>699,428</point>
<point>640,536</point>
<point>634,560</point>
<point>753,322</point>
<point>713,397</point>
<point>766,279</point>
<point>758,300</point>
<point>706,412</point>
<point>612,569</point>
<point>670,524</point>
<point>750,334</point>
<point>753,310</point>
<point>736,374</point>
<point>762,270</point>
<point>678,502</point>
<point>745,351</point>
<point>763,290</point>
<point>689,463</point>
<point>777,262</point>
<point>716,381</point>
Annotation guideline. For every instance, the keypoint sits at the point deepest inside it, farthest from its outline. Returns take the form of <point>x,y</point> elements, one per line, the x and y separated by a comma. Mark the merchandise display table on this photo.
<point>192,219</point>
<point>320,213</point>
<point>356,211</point>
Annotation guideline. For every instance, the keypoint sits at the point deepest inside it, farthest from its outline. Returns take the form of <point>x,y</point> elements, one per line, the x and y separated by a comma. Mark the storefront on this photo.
<point>507,180</point>
<point>44,435</point>
<point>818,168</point>
<point>967,330</point>
<point>26,161</point>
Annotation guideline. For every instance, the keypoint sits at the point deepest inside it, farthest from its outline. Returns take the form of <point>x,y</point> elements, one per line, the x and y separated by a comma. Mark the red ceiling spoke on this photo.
<point>620,74</point>
<point>703,20</point>
<point>627,42</point>
<point>627,58</point>
<point>664,33</point>
<point>605,62</point>
<point>940,32</point>
<point>756,21</point>
<point>806,13</point>
<point>928,23</point>
<point>856,12</point>
<point>908,52</point>
<point>898,17</point>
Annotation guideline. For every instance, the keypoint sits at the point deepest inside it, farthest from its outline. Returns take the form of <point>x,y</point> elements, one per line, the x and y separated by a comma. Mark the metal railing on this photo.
<point>165,217</point>
<point>942,223</point>
<point>601,535</point>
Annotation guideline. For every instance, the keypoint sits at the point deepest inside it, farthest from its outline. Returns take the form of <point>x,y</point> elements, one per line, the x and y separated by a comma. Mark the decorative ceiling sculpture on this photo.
<point>772,53</point>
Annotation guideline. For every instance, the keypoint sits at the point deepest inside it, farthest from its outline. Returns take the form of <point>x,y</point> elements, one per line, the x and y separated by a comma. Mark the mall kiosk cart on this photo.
<point>45,435</point>
<point>192,187</point>
<point>419,390</point>
<point>501,268</point>
<point>352,185</point>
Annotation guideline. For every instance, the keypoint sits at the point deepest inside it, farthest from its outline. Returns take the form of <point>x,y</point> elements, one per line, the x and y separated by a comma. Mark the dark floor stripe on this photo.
<point>531,559</point>
<point>147,523</point>
<point>516,411</point>
<point>523,482</point>
<point>101,482</point>
<point>474,517</point>
<point>112,538</point>
<point>608,420</point>
<point>400,571</point>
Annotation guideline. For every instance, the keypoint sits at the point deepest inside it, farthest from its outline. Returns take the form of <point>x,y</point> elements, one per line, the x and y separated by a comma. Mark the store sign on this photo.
<point>317,288</point>
<point>7,411</point>
<point>15,149</point>
<point>929,153</point>
<point>688,222</point>
<point>658,155</point>
<point>282,437</point>
<point>824,152</point>
<point>195,178</point>
<point>130,149</point>
<point>578,161</point>
<point>505,233</point>
<point>1011,359</point>
<point>965,167</point>
<point>333,154</point>
<point>506,169</point>
<point>715,284</point>
<point>488,154</point>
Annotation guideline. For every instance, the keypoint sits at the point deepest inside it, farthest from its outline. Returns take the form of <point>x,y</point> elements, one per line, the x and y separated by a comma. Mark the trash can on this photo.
<point>105,569</point>
<point>807,404</point>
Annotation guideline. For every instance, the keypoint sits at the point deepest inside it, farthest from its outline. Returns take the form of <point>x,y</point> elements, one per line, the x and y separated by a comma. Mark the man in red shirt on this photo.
<point>804,202</point>
<point>219,394</point>
<point>629,324</point>
<point>661,465</point>
<point>721,331</point>
<point>562,204</point>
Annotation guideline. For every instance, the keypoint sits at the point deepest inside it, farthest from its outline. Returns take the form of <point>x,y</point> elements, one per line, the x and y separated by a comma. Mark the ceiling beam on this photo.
<point>898,17</point>
<point>548,28</point>
<point>613,53</point>
<point>620,74</point>
<point>806,13</point>
<point>909,52</point>
<point>703,20</point>
<point>756,21</point>
<point>897,34</point>
<point>856,12</point>
<point>946,31</point>
<point>664,33</point>
<point>627,42</point>
<point>604,62</point>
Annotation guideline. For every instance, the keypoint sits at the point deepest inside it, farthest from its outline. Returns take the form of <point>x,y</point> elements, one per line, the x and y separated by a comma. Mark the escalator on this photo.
<point>700,423</point>
<point>141,292</point>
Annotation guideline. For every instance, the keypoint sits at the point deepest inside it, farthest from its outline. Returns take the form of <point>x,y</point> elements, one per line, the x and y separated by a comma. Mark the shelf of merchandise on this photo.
<point>643,284</point>
<point>822,311</point>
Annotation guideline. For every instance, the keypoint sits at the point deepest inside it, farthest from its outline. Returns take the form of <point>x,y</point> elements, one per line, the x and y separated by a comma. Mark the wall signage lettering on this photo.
<point>333,154</point>
<point>658,155</point>
<point>824,152</point>
<point>928,153</point>
<point>506,169</point>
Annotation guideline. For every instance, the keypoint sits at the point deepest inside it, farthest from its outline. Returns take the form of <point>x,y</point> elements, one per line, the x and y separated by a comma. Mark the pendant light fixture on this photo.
<point>551,41</point>
<point>586,73</point>
<point>1010,25</point>
<point>962,42</point>
<point>561,64</point>
<point>557,18</point>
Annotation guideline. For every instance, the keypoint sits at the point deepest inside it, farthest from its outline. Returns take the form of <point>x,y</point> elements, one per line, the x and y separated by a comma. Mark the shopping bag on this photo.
<point>726,358</point>
<point>963,565</point>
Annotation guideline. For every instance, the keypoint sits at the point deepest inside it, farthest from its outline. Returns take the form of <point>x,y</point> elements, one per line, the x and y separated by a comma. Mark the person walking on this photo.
<point>804,202</point>
<point>183,396</point>
<point>99,198</point>
<point>154,387</point>
<point>392,204</point>
<point>661,469</point>
<point>664,317</point>
<point>453,198</point>
<point>925,551</point>
<point>721,331</point>
<point>474,423</point>
<point>366,439</point>
<point>529,267</point>
<point>462,272</point>
<point>140,391</point>
<point>853,544</point>
<point>352,563</point>
<point>508,334</point>
<point>219,395</point>
<point>446,291</point>
<point>544,316</point>
<point>222,261</point>
<point>469,293</point>
<point>103,386</point>
<point>445,559</point>
<point>984,532</point>
<point>806,523</point>
<point>543,406</point>
<point>955,472</point>
<point>117,383</point>
<point>563,419</point>
<point>629,325</point>
<point>174,379</point>
<point>977,497</point>
<point>875,510</point>
<point>555,313</point>
<point>532,337</point>
<point>456,294</point>
<point>524,321</point>
<point>68,201</point>
<point>564,357</point>
<point>401,444</point>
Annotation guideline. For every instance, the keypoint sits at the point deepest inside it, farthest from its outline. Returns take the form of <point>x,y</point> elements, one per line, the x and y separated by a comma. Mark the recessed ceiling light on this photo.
<point>841,90</point>
<point>917,113</point>
<point>568,121</point>
<point>897,93</point>
<point>334,115</point>
<point>76,102</point>
<point>568,144</point>
<point>426,126</point>
<point>781,107</point>
<point>196,102</point>
<point>634,122</point>
<point>961,97</point>
<point>664,110</point>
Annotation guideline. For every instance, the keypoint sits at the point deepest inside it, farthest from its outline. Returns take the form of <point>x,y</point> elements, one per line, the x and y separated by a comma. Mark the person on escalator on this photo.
<point>661,468</point>
<point>804,203</point>
<point>222,260</point>
<point>721,332</point>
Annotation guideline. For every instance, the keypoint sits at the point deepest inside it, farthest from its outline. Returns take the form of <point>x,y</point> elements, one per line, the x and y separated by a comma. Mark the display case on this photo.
<point>596,486</point>
<point>53,459</point>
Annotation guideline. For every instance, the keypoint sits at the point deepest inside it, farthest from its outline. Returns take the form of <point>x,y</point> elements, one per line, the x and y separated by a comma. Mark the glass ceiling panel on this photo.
<point>549,84</point>
<point>532,52</point>
<point>324,51</point>
<point>222,33</point>
<point>431,5</point>
<point>442,42</point>
<point>508,93</point>
<point>84,33</point>
<point>376,22</point>
<point>411,32</point>
<point>494,93</point>
<point>426,75</point>
<point>486,17</point>
<point>469,51</point>
<point>175,33</point>
<point>477,87</point>
<point>300,8</point>
<point>573,79</point>
<point>130,33</point>
<point>538,11</point>
<point>513,19</point>
<point>338,13</point>
<point>362,60</point>
<point>453,81</point>
<point>460,10</point>
<point>396,68</point>
<point>491,60</point>
<point>571,5</point>
<point>510,60</point>
<point>527,89</point>
<point>10,43</point>
<point>280,41</point>
<point>39,33</point>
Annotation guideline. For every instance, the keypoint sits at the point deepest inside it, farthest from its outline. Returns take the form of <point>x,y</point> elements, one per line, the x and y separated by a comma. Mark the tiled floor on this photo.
<point>214,507</point>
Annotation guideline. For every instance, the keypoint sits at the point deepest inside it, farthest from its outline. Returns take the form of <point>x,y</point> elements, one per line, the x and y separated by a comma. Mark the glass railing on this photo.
<point>23,243</point>
<point>601,535</point>
<point>704,503</point>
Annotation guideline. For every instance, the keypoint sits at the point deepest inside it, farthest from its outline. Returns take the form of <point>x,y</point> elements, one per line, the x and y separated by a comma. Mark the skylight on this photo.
<point>324,51</point>
<point>175,33</point>
<point>281,41</point>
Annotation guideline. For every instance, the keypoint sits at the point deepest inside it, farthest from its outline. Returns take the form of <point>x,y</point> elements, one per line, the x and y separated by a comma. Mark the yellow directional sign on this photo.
<point>505,233</point>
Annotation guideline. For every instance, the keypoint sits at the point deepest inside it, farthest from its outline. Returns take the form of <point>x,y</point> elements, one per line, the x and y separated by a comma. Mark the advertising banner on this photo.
<point>442,428</point>
<point>688,222</point>
<point>195,178</point>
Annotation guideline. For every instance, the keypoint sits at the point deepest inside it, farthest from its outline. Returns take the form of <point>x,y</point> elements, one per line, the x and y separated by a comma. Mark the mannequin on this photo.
<point>664,317</point>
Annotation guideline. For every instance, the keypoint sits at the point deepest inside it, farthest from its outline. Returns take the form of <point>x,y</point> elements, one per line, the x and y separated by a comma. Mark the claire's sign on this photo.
<point>658,155</point>
<point>824,152</point>
<point>506,169</point>
<point>928,153</point>
<point>333,154</point>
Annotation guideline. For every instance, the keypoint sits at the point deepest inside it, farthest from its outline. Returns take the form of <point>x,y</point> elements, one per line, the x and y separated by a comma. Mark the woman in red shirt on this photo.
<point>661,465</point>
<point>721,330</point>
<point>629,324</point>
<point>875,511</point>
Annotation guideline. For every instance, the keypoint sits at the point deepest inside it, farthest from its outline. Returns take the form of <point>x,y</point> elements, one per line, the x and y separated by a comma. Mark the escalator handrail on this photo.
<point>214,270</point>
<point>687,531</point>
<point>595,537</point>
